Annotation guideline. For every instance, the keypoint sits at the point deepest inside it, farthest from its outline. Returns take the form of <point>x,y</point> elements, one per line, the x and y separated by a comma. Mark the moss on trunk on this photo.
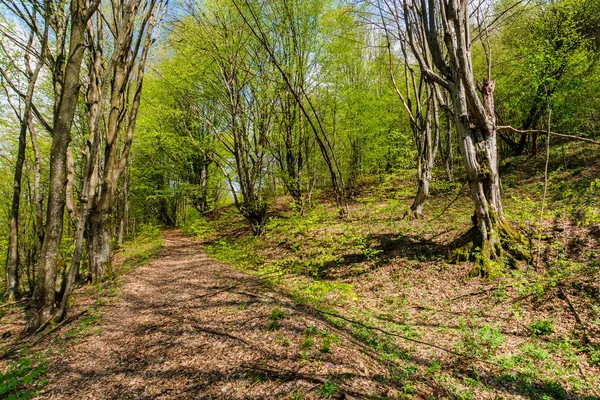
<point>503,249</point>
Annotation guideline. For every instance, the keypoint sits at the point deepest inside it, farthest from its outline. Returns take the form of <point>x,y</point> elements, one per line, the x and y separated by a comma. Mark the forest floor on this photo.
<point>321,307</point>
<point>187,326</point>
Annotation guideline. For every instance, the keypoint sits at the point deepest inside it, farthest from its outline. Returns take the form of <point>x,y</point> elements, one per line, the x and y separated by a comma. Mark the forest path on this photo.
<point>189,327</point>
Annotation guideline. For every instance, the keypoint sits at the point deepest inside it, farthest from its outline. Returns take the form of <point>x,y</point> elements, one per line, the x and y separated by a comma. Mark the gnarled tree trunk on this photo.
<point>474,117</point>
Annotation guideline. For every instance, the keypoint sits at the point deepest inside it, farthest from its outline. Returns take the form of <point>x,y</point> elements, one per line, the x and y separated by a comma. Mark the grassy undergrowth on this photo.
<point>22,375</point>
<point>532,333</point>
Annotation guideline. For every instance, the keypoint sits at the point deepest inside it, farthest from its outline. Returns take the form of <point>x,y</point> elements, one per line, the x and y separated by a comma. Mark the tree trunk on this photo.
<point>99,241</point>
<point>474,116</point>
<point>45,285</point>
<point>26,121</point>
<point>123,222</point>
<point>12,273</point>
<point>39,205</point>
<point>424,174</point>
<point>428,147</point>
<point>493,236</point>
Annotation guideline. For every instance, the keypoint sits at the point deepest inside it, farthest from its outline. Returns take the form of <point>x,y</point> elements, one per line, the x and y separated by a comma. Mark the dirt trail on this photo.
<point>189,327</point>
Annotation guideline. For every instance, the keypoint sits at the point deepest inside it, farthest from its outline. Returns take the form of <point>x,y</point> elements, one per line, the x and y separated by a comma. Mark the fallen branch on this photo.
<point>578,318</point>
<point>544,132</point>
<point>63,323</point>
<point>218,333</point>
<point>474,293</point>
<point>285,375</point>
<point>289,375</point>
<point>43,336</point>
<point>15,302</point>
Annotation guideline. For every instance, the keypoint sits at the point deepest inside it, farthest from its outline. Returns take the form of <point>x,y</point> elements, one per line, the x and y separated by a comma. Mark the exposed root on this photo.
<point>506,248</point>
<point>415,215</point>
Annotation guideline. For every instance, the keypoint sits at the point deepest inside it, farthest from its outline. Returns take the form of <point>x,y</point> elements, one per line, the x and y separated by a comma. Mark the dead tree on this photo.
<point>440,30</point>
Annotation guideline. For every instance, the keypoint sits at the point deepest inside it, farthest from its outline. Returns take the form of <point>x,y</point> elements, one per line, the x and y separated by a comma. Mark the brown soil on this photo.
<point>189,327</point>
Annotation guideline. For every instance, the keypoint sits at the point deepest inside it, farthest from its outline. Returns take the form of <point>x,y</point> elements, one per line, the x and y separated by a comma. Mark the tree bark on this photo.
<point>12,275</point>
<point>127,75</point>
<point>45,285</point>
<point>474,117</point>
<point>26,122</point>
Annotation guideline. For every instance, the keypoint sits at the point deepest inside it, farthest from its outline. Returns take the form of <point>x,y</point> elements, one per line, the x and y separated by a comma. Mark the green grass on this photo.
<point>24,378</point>
<point>275,318</point>
<point>541,327</point>
<point>328,390</point>
<point>138,251</point>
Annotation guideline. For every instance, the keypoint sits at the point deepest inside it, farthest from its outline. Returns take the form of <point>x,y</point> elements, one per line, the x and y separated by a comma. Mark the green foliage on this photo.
<point>542,327</point>
<point>318,290</point>
<point>139,250</point>
<point>594,355</point>
<point>547,55</point>
<point>240,253</point>
<point>328,390</point>
<point>23,378</point>
<point>327,339</point>
<point>197,226</point>
<point>275,318</point>
<point>481,343</point>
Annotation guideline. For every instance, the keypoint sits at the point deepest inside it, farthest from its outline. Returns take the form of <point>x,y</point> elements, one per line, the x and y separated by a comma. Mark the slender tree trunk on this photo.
<point>12,270</point>
<point>424,175</point>
<point>427,153</point>
<point>12,275</point>
<point>39,202</point>
<point>122,234</point>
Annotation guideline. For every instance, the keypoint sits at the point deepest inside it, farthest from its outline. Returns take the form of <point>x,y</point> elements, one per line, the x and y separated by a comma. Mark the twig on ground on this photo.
<point>43,336</point>
<point>578,318</point>
<point>290,375</point>
<point>474,293</point>
<point>15,302</point>
<point>218,333</point>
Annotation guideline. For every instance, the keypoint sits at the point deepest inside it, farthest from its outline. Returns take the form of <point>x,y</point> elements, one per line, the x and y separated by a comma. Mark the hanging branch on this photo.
<point>546,132</point>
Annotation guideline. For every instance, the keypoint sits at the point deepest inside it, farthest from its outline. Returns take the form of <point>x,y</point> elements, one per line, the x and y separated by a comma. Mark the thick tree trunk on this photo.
<point>45,285</point>
<point>90,180</point>
<point>493,237</point>
<point>99,240</point>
